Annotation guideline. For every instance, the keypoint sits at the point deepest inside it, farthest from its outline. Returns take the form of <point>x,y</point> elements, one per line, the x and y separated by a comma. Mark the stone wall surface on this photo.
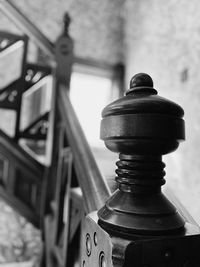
<point>96,25</point>
<point>162,38</point>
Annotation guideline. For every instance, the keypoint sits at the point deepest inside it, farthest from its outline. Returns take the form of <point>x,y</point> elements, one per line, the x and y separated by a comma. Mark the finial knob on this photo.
<point>141,79</point>
<point>141,127</point>
<point>66,21</point>
<point>64,53</point>
<point>141,82</point>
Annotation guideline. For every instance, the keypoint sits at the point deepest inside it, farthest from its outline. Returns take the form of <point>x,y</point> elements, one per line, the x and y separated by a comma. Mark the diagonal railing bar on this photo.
<point>95,189</point>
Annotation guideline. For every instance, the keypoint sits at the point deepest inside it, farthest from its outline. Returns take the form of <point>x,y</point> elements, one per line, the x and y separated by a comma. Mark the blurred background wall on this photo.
<point>162,38</point>
<point>159,37</point>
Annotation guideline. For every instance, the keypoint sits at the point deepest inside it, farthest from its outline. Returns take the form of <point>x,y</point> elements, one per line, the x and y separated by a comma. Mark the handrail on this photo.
<point>28,27</point>
<point>95,189</point>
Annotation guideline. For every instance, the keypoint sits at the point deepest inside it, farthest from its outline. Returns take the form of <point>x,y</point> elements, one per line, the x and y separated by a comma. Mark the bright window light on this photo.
<point>89,95</point>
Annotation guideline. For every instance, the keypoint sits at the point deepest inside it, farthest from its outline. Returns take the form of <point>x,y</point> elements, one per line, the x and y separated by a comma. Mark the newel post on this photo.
<point>138,226</point>
<point>141,127</point>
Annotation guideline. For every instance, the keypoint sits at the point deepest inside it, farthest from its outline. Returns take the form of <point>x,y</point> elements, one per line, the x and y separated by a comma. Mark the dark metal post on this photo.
<point>138,226</point>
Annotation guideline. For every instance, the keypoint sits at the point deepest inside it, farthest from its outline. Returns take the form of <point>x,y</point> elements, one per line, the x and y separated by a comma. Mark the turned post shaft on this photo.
<point>140,174</point>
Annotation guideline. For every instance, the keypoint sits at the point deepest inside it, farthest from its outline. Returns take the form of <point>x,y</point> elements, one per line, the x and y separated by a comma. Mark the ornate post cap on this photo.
<point>64,53</point>
<point>66,21</point>
<point>141,127</point>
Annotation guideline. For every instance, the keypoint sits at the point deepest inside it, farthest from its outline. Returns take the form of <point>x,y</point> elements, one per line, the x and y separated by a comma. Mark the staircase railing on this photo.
<point>136,225</point>
<point>57,186</point>
<point>21,174</point>
<point>91,180</point>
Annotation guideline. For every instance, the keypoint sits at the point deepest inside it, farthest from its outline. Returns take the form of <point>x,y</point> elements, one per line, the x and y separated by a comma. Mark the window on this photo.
<point>89,94</point>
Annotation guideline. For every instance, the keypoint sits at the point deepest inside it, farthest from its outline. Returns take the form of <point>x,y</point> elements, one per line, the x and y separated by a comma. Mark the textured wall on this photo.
<point>163,39</point>
<point>96,25</point>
